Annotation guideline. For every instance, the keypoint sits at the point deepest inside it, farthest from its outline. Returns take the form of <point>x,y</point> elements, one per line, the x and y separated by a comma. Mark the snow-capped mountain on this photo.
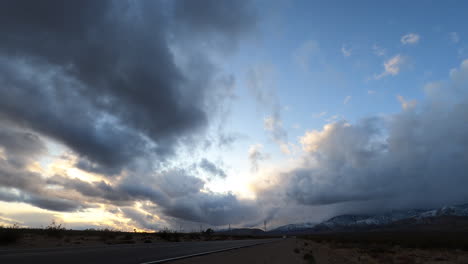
<point>370,220</point>
<point>363,221</point>
<point>457,210</point>
<point>294,227</point>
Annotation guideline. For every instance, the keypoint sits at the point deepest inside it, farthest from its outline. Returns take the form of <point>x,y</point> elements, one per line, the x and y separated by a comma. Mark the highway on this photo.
<point>120,254</point>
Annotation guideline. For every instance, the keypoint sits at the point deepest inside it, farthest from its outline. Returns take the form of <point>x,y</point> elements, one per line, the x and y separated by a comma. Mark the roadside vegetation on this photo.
<point>57,235</point>
<point>10,235</point>
<point>385,247</point>
<point>382,241</point>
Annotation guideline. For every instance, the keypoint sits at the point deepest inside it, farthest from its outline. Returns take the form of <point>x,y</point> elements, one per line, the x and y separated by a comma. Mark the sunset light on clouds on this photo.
<point>159,114</point>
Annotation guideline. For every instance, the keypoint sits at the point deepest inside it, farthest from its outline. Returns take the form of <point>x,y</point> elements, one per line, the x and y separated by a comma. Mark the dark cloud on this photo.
<point>42,200</point>
<point>211,168</point>
<point>53,203</point>
<point>224,21</point>
<point>175,195</point>
<point>100,77</point>
<point>211,208</point>
<point>120,83</point>
<point>94,192</point>
<point>180,195</point>
<point>20,147</point>
<point>147,221</point>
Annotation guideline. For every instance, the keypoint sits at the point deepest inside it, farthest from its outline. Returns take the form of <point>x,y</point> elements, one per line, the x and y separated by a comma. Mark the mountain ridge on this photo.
<point>361,221</point>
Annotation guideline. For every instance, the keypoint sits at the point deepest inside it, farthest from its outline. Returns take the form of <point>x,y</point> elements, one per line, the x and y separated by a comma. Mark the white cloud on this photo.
<point>319,115</point>
<point>371,92</point>
<point>346,100</point>
<point>454,37</point>
<point>270,123</point>
<point>346,52</point>
<point>379,51</point>
<point>405,104</point>
<point>392,66</point>
<point>284,147</point>
<point>410,39</point>
<point>332,119</point>
<point>311,141</point>
<point>305,52</point>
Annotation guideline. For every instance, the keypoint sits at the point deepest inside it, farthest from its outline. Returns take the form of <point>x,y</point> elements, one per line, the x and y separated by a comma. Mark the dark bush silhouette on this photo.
<point>209,232</point>
<point>169,235</point>
<point>55,230</point>
<point>377,241</point>
<point>10,235</point>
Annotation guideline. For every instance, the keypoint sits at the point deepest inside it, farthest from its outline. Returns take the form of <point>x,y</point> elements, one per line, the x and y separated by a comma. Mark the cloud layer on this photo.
<point>392,66</point>
<point>410,39</point>
<point>122,85</point>
<point>101,78</point>
<point>392,161</point>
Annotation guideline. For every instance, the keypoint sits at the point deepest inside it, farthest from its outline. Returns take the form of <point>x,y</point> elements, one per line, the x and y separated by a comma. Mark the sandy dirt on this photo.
<point>276,252</point>
<point>304,251</point>
<point>32,240</point>
<point>42,241</point>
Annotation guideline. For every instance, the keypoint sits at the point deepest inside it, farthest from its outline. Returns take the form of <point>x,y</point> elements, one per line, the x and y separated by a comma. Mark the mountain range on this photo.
<point>397,219</point>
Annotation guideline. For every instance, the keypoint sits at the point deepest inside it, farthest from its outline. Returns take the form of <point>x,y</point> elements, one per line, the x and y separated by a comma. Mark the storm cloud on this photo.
<point>100,77</point>
<point>120,84</point>
<point>180,195</point>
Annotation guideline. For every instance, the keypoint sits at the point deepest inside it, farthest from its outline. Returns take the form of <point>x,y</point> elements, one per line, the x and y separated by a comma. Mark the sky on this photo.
<point>185,114</point>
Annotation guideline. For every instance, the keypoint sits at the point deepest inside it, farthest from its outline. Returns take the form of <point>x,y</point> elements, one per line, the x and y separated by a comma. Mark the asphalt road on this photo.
<point>119,254</point>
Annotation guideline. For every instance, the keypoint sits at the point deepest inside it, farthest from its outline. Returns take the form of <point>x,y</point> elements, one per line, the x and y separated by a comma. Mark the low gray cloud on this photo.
<point>211,168</point>
<point>178,194</point>
<point>42,200</point>
<point>256,155</point>
<point>20,147</point>
<point>147,221</point>
<point>392,161</point>
<point>213,208</point>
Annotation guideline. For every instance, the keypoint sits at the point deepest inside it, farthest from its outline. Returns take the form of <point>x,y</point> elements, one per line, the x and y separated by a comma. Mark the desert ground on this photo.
<point>329,248</point>
<point>304,251</point>
<point>56,236</point>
